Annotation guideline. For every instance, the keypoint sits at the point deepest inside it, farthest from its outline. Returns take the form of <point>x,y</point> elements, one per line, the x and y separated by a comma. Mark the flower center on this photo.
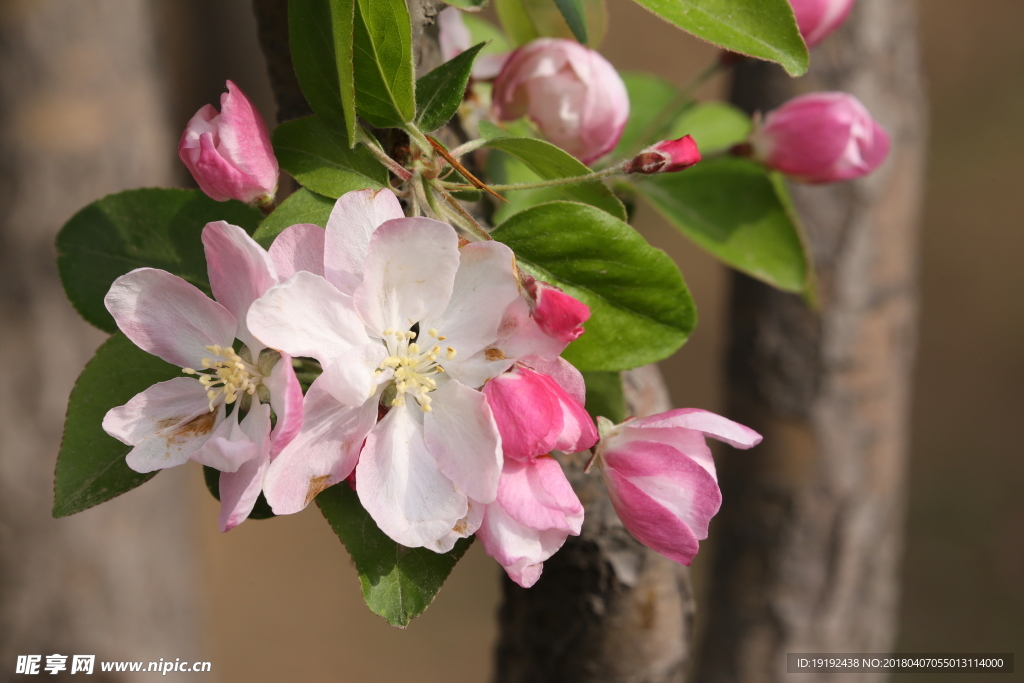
<point>227,375</point>
<point>414,366</point>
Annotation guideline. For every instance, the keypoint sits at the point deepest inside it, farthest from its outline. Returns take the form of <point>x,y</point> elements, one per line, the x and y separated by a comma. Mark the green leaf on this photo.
<point>320,159</point>
<point>261,510</point>
<point>153,227</point>
<point>385,89</point>
<point>716,126</point>
<point>548,162</point>
<point>649,97</point>
<point>302,207</point>
<point>91,467</point>
<point>439,93</point>
<point>605,397</point>
<point>398,583</point>
<point>765,29</point>
<point>730,207</point>
<point>641,310</point>
<point>573,13</point>
<point>320,36</point>
<point>526,20</point>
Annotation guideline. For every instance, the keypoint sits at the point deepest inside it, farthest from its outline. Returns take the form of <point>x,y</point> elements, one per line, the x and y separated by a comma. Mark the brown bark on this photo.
<point>606,609</point>
<point>81,115</point>
<point>810,532</point>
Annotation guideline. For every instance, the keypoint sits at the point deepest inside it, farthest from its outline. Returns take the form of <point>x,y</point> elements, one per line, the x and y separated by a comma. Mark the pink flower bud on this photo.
<point>557,314</point>
<point>668,156</point>
<point>661,477</point>
<point>572,93</point>
<point>818,18</point>
<point>229,154</point>
<point>821,137</point>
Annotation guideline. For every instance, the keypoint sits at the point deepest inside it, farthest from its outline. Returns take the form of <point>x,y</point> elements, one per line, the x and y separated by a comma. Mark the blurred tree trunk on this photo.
<point>810,534</point>
<point>81,115</point>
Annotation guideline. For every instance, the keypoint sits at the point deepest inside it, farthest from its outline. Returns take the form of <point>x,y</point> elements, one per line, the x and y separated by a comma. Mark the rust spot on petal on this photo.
<point>161,425</point>
<point>494,354</point>
<point>197,426</point>
<point>460,527</point>
<point>316,485</point>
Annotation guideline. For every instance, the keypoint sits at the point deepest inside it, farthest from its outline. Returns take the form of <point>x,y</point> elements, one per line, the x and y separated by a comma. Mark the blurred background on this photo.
<point>280,599</point>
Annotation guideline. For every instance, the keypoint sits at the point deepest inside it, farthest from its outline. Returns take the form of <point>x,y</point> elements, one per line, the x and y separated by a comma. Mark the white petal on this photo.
<point>462,436</point>
<point>298,247</point>
<point>409,273</point>
<point>351,379</point>
<point>464,528</point>
<point>227,448</point>
<point>519,549</point>
<point>240,272</point>
<point>240,490</point>
<point>166,423</point>
<point>168,317</point>
<point>401,487</point>
<point>485,285</point>
<point>354,218</point>
<point>307,316</point>
<point>323,453</point>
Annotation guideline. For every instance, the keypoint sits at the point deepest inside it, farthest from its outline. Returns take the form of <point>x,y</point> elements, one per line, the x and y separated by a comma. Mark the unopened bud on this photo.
<point>666,156</point>
<point>818,18</point>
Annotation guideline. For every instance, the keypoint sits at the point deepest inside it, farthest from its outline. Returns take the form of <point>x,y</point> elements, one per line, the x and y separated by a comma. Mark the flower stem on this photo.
<point>471,223</point>
<point>371,144</point>
<point>553,182</point>
<point>417,136</point>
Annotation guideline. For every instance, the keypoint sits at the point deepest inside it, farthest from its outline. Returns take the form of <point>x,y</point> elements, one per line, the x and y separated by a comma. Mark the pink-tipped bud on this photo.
<point>668,156</point>
<point>572,93</point>
<point>821,137</point>
<point>818,18</point>
<point>557,314</point>
<point>229,154</point>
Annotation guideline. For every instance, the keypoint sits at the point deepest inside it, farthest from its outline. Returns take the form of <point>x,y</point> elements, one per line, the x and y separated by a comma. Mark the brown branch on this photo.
<point>811,526</point>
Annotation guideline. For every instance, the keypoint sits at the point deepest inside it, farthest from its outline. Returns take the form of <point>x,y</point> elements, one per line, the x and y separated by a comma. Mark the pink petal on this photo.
<point>521,551</point>
<point>168,317</point>
<point>453,36</point>
<point>323,453</point>
<point>307,316</point>
<point>401,486</point>
<point>244,139</point>
<point>353,220</point>
<point>298,247</point>
<point>240,490</point>
<point>286,400</point>
<point>559,315</point>
<point>166,423</point>
<point>564,374</point>
<point>221,179</point>
<point>240,272</point>
<point>715,426</point>
<point>409,273</point>
<point>536,494</point>
<point>652,484</point>
<point>461,435</point>
<point>528,416</point>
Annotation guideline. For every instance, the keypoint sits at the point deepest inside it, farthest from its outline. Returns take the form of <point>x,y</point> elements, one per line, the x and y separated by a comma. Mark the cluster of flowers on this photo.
<point>579,102</point>
<point>441,398</point>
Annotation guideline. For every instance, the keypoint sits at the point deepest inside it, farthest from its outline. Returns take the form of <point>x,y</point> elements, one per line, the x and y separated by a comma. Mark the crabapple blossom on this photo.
<point>571,92</point>
<point>667,156</point>
<point>403,322</point>
<point>185,418</point>
<point>229,153</point>
<point>821,137</point>
<point>661,476</point>
<point>454,38</point>
<point>816,19</point>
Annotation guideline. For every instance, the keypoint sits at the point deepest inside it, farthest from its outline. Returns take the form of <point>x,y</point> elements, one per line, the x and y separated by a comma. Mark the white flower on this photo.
<point>401,319</point>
